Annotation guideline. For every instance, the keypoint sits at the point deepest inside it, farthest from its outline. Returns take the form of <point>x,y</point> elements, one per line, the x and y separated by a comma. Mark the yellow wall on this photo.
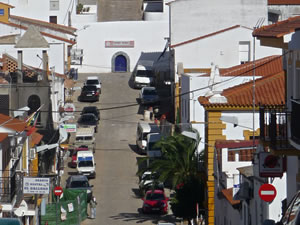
<point>214,132</point>
<point>4,18</point>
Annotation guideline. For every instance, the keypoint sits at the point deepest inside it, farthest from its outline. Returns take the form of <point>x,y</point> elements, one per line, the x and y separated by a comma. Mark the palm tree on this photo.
<point>179,165</point>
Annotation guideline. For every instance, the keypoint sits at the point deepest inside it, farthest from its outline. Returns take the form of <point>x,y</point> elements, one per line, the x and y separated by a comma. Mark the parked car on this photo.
<point>93,81</point>
<point>89,94</point>
<point>149,95</point>
<point>292,214</point>
<point>149,181</point>
<point>155,201</point>
<point>88,120</point>
<point>91,109</point>
<point>80,182</point>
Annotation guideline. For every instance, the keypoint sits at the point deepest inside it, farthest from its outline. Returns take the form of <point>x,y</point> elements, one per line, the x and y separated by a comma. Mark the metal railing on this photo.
<point>274,126</point>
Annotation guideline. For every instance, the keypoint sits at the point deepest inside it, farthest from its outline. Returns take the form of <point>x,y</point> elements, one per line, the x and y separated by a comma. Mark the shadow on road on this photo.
<point>137,192</point>
<point>139,217</point>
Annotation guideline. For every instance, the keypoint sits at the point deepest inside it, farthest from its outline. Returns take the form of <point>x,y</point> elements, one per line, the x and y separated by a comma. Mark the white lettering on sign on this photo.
<point>119,44</point>
<point>36,185</point>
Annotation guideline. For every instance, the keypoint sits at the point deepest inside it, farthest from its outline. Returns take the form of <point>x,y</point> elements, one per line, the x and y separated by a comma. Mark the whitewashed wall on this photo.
<point>245,122</point>
<point>222,49</point>
<point>191,82</point>
<point>40,9</point>
<point>147,37</point>
<point>286,10</point>
<point>205,17</point>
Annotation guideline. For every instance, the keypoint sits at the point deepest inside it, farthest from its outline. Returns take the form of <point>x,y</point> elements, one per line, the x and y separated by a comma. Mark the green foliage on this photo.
<point>79,8</point>
<point>186,198</point>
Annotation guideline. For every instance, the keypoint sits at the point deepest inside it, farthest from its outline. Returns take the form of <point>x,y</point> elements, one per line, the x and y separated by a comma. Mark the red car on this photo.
<point>155,201</point>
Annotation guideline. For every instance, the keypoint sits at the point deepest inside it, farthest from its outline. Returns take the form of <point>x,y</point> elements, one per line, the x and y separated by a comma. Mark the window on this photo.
<point>244,51</point>
<point>53,19</point>
<point>1,12</point>
<point>54,5</point>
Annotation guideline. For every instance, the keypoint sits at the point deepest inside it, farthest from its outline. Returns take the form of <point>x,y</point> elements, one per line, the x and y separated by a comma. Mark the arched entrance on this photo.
<point>120,62</point>
<point>34,103</point>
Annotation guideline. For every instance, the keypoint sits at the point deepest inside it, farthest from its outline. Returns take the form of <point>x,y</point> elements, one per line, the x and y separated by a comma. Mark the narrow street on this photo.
<point>116,183</point>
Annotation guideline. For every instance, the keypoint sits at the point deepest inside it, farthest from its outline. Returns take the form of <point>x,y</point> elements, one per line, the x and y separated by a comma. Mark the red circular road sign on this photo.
<point>267,192</point>
<point>58,191</point>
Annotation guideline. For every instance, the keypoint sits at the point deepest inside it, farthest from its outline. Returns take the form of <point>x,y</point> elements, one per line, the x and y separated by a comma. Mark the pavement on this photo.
<point>116,183</point>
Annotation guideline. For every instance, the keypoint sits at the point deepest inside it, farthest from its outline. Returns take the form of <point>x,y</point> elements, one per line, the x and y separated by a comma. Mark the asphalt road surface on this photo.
<point>116,183</point>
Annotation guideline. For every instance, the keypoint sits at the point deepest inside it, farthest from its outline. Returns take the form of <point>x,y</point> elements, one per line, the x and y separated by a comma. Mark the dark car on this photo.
<point>88,119</point>
<point>80,182</point>
<point>89,94</point>
<point>149,95</point>
<point>91,109</point>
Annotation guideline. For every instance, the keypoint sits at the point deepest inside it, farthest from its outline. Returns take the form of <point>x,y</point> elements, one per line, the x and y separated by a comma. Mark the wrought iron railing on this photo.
<point>295,121</point>
<point>274,127</point>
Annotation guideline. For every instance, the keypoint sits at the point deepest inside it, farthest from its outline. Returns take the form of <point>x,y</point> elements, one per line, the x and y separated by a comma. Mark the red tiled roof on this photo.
<point>3,136</point>
<point>235,143</point>
<point>11,123</point>
<point>263,67</point>
<point>283,2</point>
<point>10,6</point>
<point>278,29</point>
<point>207,35</point>
<point>54,26</point>
<point>43,33</point>
<point>228,195</point>
<point>36,138</point>
<point>269,90</point>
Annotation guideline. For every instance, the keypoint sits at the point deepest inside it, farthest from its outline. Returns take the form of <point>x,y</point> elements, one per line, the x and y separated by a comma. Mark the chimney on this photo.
<point>45,63</point>
<point>20,64</point>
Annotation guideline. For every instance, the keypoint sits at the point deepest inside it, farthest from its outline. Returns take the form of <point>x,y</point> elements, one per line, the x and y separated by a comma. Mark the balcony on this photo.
<point>274,127</point>
<point>10,187</point>
<point>295,121</point>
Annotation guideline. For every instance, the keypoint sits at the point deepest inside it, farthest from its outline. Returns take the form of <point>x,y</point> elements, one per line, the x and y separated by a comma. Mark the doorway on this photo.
<point>120,62</point>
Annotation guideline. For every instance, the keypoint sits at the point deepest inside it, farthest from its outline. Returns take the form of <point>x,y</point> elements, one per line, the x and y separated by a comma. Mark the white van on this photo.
<point>143,129</point>
<point>151,141</point>
<point>143,77</point>
<point>85,138</point>
<point>86,164</point>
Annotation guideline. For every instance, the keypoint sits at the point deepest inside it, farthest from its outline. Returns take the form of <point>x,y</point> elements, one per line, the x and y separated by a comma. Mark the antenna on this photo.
<point>259,22</point>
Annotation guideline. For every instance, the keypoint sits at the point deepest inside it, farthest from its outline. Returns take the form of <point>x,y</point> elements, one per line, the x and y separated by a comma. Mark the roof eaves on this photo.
<point>205,36</point>
<point>43,33</point>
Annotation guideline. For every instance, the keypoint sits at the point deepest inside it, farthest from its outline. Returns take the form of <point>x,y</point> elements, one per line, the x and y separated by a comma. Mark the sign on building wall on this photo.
<point>119,44</point>
<point>70,128</point>
<point>270,165</point>
<point>36,185</point>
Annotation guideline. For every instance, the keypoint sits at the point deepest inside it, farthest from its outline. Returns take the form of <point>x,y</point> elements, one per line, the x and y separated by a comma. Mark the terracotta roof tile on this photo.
<point>10,6</point>
<point>235,143</point>
<point>228,195</point>
<point>35,138</point>
<point>278,29</point>
<point>269,90</point>
<point>3,136</point>
<point>263,67</point>
<point>283,2</point>
<point>11,123</point>
<point>54,26</point>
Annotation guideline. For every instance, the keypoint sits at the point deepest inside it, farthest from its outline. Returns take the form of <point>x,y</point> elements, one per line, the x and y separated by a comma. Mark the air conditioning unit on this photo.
<point>32,153</point>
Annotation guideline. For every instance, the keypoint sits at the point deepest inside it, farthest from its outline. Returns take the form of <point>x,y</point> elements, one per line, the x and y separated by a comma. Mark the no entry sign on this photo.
<point>267,192</point>
<point>58,191</point>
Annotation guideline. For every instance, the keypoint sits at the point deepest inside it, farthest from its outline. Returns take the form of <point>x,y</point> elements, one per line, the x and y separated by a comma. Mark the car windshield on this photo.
<point>155,196</point>
<point>92,82</point>
<point>87,119</point>
<point>144,73</point>
<point>79,184</point>
<point>85,164</point>
<point>89,110</point>
<point>149,92</point>
<point>89,88</point>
